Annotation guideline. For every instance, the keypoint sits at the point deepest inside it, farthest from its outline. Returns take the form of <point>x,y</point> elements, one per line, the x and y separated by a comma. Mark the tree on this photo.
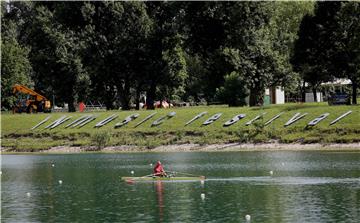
<point>15,64</point>
<point>344,52</point>
<point>284,27</point>
<point>234,90</point>
<point>205,37</point>
<point>116,35</point>
<point>308,58</point>
<point>249,47</point>
<point>167,65</point>
<point>55,55</point>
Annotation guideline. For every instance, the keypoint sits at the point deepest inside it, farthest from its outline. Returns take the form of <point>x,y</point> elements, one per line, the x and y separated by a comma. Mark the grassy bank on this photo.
<point>17,136</point>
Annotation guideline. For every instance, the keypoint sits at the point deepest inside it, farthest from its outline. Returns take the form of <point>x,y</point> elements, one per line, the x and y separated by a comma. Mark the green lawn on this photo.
<point>16,133</point>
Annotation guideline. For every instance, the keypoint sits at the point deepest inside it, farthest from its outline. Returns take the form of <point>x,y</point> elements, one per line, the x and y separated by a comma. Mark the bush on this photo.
<point>234,91</point>
<point>101,139</point>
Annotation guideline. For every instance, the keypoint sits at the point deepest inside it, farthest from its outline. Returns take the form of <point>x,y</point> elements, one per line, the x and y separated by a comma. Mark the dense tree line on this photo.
<point>116,52</point>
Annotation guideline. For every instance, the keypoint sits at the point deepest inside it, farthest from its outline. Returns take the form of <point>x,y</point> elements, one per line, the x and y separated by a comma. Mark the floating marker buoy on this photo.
<point>28,194</point>
<point>60,182</point>
<point>151,164</point>
<point>52,165</point>
<point>247,217</point>
<point>132,172</point>
<point>202,196</point>
<point>282,164</point>
<point>271,172</point>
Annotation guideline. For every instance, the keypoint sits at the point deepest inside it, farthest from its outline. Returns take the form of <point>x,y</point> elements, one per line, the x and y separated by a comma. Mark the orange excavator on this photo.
<point>29,101</point>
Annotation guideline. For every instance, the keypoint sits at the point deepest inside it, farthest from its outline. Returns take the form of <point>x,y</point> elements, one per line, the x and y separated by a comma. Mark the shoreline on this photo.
<point>229,147</point>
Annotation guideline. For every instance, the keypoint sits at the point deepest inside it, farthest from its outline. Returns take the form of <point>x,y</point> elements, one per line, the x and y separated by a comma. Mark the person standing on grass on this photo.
<point>159,170</point>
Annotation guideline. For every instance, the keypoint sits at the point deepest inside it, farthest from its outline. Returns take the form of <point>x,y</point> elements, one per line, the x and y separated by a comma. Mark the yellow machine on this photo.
<point>29,101</point>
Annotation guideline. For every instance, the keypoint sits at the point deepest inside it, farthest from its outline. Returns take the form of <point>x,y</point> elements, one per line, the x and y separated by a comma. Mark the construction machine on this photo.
<point>29,101</point>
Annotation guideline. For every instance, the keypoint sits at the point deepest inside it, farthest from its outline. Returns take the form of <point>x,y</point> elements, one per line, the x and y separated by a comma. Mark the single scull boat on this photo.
<point>150,178</point>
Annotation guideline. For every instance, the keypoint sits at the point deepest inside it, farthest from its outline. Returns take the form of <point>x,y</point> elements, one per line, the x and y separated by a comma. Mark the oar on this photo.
<point>189,174</point>
<point>132,180</point>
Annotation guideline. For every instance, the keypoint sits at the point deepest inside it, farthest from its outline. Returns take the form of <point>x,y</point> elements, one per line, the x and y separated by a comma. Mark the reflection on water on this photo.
<point>159,192</point>
<point>304,187</point>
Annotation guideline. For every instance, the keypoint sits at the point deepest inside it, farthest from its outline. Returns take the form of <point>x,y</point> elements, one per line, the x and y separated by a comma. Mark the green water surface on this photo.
<point>305,187</point>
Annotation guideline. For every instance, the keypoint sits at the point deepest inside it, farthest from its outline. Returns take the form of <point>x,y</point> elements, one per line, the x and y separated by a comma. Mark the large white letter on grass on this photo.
<point>295,118</point>
<point>235,119</point>
<point>105,121</point>
<point>254,119</point>
<point>318,119</point>
<point>42,122</point>
<point>145,119</point>
<point>212,119</point>
<point>195,118</point>
<point>162,119</point>
<point>126,120</point>
<point>275,117</point>
<point>340,117</point>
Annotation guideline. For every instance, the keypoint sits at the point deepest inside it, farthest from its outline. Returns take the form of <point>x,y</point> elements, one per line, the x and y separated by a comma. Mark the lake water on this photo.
<point>305,187</point>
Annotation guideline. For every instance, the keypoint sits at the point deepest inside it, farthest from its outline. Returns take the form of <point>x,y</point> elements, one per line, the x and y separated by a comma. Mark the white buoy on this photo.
<point>28,194</point>
<point>202,196</point>
<point>60,181</point>
<point>52,165</point>
<point>271,172</point>
<point>151,164</point>
<point>132,172</point>
<point>247,217</point>
<point>282,164</point>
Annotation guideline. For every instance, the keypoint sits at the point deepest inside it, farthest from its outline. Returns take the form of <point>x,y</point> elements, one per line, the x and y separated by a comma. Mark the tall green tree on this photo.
<point>234,90</point>
<point>308,57</point>
<point>205,27</point>
<point>15,64</point>
<point>116,35</point>
<point>15,67</point>
<point>344,50</point>
<point>56,56</point>
<point>167,64</point>
<point>249,47</point>
<point>284,27</point>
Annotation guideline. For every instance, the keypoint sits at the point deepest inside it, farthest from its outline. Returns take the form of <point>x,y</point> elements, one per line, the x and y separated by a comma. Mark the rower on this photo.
<point>159,170</point>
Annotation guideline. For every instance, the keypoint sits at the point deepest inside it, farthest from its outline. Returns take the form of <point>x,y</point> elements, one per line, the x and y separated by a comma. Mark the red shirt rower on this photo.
<point>159,170</point>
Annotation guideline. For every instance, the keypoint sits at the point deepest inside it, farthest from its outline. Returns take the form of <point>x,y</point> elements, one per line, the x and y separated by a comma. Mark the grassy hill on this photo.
<point>17,136</point>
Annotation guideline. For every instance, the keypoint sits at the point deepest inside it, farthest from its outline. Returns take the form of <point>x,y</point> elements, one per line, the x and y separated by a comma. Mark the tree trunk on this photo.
<point>303,92</point>
<point>354,92</point>
<point>314,93</point>
<point>137,98</point>
<point>71,104</point>
<point>150,97</point>
<point>256,97</point>
<point>124,95</point>
<point>109,100</point>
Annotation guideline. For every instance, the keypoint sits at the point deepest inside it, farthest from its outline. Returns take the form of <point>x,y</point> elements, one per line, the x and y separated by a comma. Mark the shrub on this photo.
<point>101,139</point>
<point>234,91</point>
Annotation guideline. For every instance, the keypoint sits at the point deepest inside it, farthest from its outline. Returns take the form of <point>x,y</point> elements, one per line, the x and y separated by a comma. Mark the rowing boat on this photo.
<point>150,178</point>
